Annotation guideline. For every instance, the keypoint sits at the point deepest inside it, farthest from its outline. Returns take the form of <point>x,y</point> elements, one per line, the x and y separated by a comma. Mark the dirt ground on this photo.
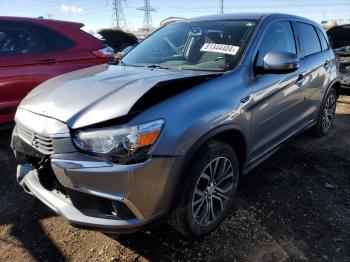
<point>296,205</point>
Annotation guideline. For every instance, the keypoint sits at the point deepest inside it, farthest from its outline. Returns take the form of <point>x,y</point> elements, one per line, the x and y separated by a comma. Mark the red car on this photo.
<point>34,50</point>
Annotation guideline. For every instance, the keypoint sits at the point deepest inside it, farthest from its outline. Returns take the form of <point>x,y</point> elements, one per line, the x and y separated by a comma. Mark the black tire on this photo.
<point>216,154</point>
<point>327,111</point>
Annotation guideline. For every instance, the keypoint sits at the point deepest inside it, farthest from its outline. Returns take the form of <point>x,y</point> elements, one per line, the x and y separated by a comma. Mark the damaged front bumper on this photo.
<point>93,193</point>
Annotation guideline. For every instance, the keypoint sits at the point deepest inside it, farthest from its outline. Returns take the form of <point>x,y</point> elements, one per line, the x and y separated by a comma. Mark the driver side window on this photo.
<point>279,37</point>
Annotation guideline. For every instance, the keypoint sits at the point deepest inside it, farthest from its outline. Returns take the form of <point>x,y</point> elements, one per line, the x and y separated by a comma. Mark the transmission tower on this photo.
<point>221,6</point>
<point>118,17</point>
<point>147,18</point>
<point>324,16</point>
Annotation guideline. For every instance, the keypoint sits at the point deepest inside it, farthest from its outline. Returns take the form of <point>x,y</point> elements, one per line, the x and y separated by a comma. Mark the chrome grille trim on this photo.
<point>41,143</point>
<point>39,131</point>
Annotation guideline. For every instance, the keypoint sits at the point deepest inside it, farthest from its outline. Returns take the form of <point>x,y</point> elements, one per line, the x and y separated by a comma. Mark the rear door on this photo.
<point>25,61</point>
<point>317,59</point>
<point>279,98</point>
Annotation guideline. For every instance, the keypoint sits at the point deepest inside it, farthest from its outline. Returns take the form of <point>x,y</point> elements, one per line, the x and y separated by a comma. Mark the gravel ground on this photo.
<point>296,205</point>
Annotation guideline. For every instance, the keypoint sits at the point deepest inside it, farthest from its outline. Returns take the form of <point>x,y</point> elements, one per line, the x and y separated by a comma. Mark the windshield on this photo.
<point>199,45</point>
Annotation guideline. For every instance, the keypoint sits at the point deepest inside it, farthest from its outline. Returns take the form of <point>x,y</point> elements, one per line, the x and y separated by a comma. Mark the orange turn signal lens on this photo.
<point>147,139</point>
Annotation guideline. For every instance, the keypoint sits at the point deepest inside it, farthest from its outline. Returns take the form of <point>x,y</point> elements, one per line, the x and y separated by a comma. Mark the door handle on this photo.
<point>300,80</point>
<point>47,61</point>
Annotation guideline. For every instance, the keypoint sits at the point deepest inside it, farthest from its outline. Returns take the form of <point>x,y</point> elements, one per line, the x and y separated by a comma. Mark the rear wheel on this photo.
<point>211,182</point>
<point>327,114</point>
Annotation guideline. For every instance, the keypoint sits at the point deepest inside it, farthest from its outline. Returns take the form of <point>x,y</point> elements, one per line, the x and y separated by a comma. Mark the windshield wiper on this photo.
<point>156,66</point>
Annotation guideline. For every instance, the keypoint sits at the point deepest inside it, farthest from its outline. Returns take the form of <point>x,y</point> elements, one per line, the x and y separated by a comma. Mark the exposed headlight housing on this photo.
<point>120,144</point>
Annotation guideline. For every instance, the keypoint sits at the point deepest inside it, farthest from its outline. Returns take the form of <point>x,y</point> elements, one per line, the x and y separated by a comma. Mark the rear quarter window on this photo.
<point>55,41</point>
<point>309,39</point>
<point>323,40</point>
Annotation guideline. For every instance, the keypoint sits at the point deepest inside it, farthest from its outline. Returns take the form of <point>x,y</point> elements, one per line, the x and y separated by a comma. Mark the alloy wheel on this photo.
<point>328,113</point>
<point>212,191</point>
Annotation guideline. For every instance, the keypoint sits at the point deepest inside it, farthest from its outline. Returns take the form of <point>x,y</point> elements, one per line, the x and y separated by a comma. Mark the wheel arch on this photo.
<point>230,134</point>
<point>336,85</point>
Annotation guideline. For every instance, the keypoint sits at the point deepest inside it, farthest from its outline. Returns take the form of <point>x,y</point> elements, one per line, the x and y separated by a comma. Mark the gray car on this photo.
<point>169,131</point>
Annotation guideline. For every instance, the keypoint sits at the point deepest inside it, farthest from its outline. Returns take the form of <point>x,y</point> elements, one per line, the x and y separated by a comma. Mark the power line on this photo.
<point>221,6</point>
<point>118,18</point>
<point>147,18</point>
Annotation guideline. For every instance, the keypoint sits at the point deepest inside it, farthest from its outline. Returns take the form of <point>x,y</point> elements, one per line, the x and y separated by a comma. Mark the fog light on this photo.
<point>114,209</point>
<point>120,211</point>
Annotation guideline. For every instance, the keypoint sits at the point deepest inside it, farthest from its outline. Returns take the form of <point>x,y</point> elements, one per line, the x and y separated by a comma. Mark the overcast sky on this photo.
<point>96,14</point>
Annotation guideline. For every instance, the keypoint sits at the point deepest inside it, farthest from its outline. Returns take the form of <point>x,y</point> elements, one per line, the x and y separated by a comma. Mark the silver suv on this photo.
<point>172,127</point>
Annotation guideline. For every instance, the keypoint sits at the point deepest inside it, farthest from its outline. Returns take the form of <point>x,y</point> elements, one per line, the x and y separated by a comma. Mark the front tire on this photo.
<point>210,184</point>
<point>326,114</point>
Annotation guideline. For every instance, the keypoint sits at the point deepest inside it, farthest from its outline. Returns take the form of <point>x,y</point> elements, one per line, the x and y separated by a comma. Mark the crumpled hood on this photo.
<point>96,94</point>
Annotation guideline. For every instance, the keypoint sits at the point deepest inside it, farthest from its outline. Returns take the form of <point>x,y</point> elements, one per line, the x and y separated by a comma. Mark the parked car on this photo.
<point>34,50</point>
<point>173,127</point>
<point>340,41</point>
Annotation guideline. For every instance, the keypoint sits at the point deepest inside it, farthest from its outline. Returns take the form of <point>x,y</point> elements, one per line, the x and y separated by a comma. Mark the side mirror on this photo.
<point>276,62</point>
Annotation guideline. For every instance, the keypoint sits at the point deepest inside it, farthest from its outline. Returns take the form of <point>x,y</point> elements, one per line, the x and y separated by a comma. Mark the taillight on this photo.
<point>106,52</point>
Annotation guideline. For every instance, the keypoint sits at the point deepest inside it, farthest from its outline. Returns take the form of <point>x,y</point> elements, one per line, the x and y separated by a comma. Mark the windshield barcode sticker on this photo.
<point>219,48</point>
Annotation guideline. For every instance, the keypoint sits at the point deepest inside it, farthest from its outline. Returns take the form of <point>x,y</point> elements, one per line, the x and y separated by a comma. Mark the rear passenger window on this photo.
<point>309,39</point>
<point>17,38</point>
<point>324,42</point>
<point>279,37</point>
<point>55,41</point>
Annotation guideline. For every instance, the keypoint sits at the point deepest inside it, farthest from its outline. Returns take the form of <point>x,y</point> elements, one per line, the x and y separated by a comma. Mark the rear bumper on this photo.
<point>7,112</point>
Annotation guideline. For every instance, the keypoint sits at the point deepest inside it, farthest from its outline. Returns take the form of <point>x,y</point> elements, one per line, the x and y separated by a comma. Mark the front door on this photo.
<point>278,98</point>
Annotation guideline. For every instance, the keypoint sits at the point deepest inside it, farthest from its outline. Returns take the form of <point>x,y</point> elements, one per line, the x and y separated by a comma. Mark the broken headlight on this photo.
<point>122,145</point>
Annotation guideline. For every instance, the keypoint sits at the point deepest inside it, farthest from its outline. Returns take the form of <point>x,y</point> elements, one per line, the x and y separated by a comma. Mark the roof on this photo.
<point>253,16</point>
<point>229,16</point>
<point>40,21</point>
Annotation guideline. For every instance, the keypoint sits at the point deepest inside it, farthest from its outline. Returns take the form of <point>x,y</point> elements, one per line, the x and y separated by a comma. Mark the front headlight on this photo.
<point>120,144</point>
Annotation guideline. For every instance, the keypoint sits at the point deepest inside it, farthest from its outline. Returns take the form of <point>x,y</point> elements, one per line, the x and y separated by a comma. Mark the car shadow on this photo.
<point>345,92</point>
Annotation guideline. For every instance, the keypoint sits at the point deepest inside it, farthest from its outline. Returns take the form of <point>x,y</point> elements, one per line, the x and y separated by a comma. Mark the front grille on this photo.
<point>40,142</point>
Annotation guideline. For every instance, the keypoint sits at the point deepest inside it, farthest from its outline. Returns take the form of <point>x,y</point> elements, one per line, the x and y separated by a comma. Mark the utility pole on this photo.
<point>147,18</point>
<point>221,6</point>
<point>118,17</point>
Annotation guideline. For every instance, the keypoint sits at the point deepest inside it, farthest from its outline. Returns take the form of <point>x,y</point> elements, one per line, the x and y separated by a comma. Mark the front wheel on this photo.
<point>210,184</point>
<point>327,114</point>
